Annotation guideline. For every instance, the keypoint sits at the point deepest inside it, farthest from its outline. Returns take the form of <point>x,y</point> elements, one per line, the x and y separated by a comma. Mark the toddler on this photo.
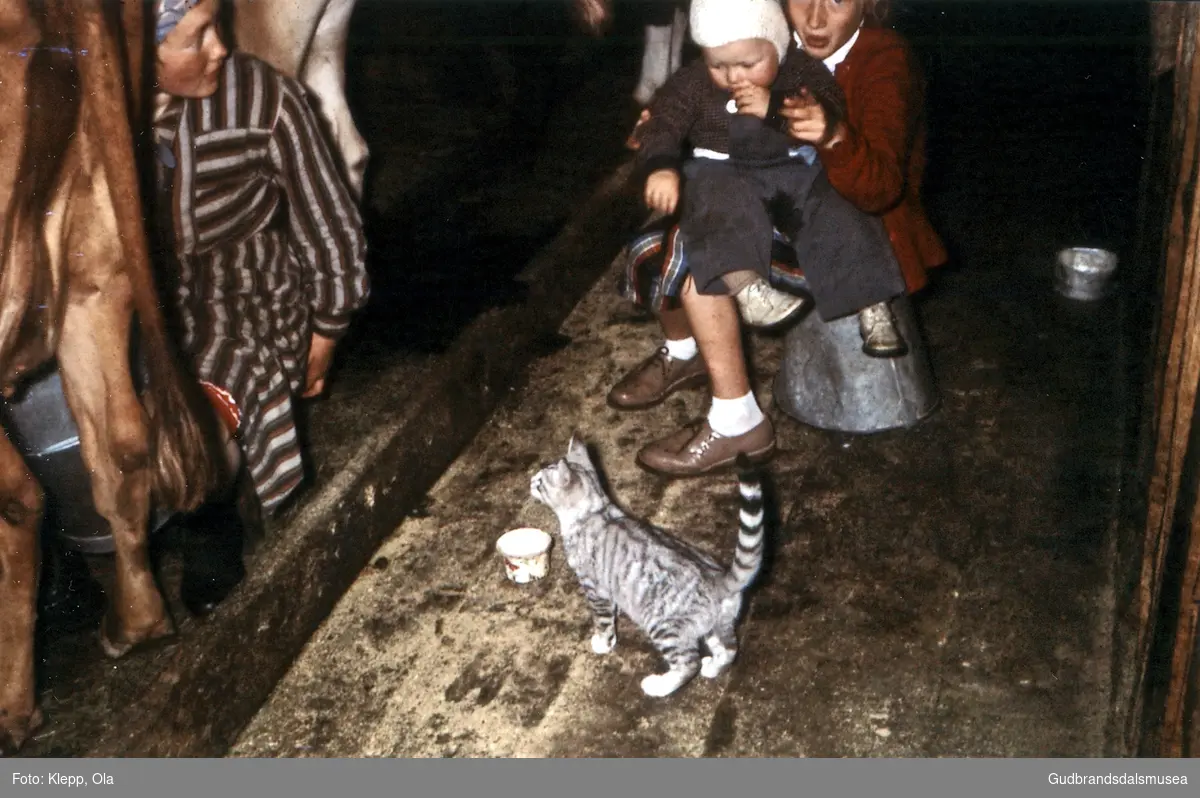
<point>746,177</point>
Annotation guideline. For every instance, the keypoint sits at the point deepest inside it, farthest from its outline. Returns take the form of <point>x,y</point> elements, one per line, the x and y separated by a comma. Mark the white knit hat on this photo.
<point>718,22</point>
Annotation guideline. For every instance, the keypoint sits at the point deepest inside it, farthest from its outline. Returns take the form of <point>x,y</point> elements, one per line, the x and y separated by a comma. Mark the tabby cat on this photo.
<point>677,594</point>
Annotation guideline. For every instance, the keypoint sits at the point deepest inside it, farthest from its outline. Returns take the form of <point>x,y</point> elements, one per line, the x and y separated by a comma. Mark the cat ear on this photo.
<point>577,451</point>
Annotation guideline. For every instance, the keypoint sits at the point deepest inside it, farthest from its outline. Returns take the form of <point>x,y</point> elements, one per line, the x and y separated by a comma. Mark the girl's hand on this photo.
<point>806,120</point>
<point>752,100</point>
<point>320,357</point>
<point>632,142</point>
<point>662,190</point>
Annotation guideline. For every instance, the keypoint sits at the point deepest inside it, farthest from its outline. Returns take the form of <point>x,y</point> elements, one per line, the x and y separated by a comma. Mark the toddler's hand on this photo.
<point>752,100</point>
<point>662,190</point>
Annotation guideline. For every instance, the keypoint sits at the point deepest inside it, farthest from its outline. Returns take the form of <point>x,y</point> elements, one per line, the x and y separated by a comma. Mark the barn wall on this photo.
<point>1157,552</point>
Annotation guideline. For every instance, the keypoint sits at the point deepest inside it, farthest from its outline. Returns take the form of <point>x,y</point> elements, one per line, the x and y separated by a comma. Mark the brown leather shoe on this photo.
<point>696,450</point>
<point>656,378</point>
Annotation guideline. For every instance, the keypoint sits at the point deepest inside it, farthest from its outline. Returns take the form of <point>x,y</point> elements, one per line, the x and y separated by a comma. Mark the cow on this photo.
<point>306,40</point>
<point>662,52</point>
<point>75,279</point>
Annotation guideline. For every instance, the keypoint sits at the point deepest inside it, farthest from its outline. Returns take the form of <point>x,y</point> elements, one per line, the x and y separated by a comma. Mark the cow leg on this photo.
<point>679,26</point>
<point>325,73</point>
<point>656,57</point>
<point>21,503</point>
<point>278,33</point>
<point>98,385</point>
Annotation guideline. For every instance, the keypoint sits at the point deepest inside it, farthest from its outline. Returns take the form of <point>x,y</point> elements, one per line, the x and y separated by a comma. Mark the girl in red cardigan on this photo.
<point>874,158</point>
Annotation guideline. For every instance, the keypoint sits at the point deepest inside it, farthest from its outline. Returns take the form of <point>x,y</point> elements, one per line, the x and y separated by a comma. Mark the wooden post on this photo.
<point>1176,381</point>
<point>1165,16</point>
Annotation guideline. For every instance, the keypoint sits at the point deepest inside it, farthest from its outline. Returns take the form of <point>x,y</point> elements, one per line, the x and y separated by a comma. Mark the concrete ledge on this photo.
<point>201,694</point>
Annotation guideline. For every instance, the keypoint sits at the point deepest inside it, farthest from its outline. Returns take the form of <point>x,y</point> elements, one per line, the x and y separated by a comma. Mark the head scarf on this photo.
<point>169,12</point>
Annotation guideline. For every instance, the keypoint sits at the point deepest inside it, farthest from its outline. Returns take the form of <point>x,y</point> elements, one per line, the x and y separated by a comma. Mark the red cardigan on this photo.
<point>879,164</point>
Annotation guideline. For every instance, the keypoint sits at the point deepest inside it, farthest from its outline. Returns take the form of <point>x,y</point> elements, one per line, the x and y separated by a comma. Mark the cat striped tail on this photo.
<point>748,557</point>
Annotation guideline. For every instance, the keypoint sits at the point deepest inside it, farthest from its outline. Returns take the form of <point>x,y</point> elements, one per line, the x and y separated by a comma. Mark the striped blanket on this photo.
<point>656,266</point>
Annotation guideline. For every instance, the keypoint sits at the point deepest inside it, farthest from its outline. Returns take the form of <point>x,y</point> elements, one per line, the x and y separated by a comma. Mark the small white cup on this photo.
<point>526,554</point>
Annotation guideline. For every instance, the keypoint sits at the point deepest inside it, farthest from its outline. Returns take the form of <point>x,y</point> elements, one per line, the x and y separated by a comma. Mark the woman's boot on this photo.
<point>212,548</point>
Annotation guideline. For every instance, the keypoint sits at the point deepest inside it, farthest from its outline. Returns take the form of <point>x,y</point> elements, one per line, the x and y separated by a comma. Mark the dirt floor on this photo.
<point>940,591</point>
<point>937,591</point>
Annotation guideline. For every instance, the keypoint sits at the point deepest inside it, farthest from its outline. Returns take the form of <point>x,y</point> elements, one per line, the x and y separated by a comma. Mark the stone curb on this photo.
<point>208,689</point>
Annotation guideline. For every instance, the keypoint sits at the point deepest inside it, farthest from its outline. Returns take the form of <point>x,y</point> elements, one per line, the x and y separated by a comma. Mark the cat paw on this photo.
<point>603,644</point>
<point>714,666</point>
<point>661,684</point>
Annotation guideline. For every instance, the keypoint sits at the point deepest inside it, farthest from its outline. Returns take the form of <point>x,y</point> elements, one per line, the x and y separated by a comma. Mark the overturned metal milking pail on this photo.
<point>1084,273</point>
<point>826,381</point>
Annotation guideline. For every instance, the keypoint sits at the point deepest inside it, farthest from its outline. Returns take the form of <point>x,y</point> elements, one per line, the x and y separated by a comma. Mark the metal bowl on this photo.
<point>1084,273</point>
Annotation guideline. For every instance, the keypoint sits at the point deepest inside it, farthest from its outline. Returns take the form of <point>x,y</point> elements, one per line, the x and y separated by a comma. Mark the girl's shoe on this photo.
<point>881,337</point>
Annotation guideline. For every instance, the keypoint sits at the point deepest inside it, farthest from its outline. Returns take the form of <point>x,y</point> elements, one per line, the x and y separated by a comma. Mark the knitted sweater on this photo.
<point>690,107</point>
<point>880,163</point>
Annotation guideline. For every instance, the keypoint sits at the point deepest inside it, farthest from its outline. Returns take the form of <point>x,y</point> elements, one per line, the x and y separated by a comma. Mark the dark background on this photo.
<point>489,120</point>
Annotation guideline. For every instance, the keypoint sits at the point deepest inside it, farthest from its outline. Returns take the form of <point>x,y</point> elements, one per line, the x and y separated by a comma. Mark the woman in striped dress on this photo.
<point>266,249</point>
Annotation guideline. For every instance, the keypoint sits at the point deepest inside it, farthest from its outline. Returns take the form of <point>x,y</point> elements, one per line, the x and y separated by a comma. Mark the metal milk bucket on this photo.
<point>1084,273</point>
<point>41,426</point>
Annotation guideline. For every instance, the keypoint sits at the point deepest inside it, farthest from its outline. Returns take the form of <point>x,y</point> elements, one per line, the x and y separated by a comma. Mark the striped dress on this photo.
<point>267,247</point>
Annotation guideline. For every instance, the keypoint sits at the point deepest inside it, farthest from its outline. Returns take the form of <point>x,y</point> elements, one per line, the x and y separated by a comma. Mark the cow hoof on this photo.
<point>118,644</point>
<point>644,93</point>
<point>16,728</point>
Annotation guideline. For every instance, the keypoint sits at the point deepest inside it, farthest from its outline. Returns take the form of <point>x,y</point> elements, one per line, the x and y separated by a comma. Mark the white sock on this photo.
<point>684,349</point>
<point>732,417</point>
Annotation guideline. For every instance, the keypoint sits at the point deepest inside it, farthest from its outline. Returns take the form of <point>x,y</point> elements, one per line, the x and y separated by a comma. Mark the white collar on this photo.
<point>832,61</point>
